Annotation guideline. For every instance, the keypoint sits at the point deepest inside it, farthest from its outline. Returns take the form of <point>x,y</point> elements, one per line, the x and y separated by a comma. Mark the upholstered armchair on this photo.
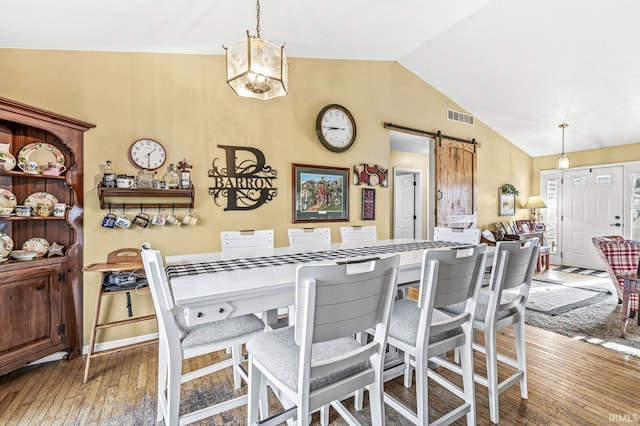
<point>619,256</point>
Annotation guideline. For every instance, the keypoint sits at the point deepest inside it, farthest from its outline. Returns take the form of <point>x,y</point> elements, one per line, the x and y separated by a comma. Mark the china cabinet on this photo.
<point>41,299</point>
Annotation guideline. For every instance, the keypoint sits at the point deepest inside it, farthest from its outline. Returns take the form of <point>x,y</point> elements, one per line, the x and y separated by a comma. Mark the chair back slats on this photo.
<point>513,269</point>
<point>344,302</point>
<point>245,240</point>
<point>456,272</point>
<point>449,277</point>
<point>301,237</point>
<point>358,233</point>
<point>465,236</point>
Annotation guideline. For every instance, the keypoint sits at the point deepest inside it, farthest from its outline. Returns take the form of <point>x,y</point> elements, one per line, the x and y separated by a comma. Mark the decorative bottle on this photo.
<point>171,178</point>
<point>109,176</point>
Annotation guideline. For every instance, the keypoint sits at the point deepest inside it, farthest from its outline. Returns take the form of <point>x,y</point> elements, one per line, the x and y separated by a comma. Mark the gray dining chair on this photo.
<point>247,239</point>
<point>502,306</point>
<point>464,236</point>
<point>319,361</point>
<point>423,333</point>
<point>179,341</point>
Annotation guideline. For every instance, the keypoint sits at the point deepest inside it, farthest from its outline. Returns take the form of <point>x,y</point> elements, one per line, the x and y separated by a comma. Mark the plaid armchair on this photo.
<point>619,256</point>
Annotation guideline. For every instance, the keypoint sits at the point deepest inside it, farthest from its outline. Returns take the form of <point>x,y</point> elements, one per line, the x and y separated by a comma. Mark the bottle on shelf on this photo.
<point>171,178</point>
<point>109,176</point>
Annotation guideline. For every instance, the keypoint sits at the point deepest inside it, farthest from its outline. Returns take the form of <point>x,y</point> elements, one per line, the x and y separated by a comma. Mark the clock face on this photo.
<point>147,154</point>
<point>336,128</point>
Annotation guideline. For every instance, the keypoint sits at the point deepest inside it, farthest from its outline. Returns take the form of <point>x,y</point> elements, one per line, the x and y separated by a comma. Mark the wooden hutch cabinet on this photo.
<point>41,299</point>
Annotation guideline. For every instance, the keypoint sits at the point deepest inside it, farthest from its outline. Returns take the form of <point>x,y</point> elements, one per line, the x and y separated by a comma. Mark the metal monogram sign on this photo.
<point>246,181</point>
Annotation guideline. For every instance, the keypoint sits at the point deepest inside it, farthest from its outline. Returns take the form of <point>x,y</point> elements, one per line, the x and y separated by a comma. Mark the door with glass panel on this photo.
<point>592,205</point>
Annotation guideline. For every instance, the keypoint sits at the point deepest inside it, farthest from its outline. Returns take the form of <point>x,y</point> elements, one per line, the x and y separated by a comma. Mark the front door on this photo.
<point>592,205</point>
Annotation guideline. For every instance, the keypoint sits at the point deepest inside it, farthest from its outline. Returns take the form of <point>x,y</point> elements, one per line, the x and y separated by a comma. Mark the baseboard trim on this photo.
<point>103,346</point>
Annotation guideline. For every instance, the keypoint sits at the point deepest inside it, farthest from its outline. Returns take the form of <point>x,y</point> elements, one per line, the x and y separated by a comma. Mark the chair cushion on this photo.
<point>216,331</point>
<point>405,319</point>
<point>481,308</point>
<point>277,351</point>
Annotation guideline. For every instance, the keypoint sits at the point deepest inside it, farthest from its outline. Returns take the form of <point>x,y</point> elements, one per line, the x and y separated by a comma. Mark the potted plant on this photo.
<point>507,188</point>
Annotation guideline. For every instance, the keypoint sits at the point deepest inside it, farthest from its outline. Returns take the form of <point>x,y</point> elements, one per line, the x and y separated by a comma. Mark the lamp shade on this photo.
<point>535,202</point>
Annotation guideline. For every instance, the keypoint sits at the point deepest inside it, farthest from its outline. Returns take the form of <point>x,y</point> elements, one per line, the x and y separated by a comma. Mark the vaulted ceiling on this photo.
<point>521,67</point>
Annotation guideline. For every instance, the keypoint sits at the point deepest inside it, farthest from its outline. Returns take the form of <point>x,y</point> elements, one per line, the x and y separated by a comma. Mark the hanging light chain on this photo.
<point>258,18</point>
<point>563,125</point>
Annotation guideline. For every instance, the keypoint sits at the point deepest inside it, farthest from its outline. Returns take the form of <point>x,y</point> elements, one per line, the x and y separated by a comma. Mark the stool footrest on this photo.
<point>126,321</point>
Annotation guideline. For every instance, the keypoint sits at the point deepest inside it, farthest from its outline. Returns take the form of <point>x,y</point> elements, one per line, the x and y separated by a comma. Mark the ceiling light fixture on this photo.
<point>257,68</point>
<point>563,160</point>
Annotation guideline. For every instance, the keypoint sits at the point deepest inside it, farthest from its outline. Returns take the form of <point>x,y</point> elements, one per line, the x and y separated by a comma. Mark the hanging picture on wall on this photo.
<point>506,204</point>
<point>320,194</point>
<point>370,174</point>
<point>368,204</point>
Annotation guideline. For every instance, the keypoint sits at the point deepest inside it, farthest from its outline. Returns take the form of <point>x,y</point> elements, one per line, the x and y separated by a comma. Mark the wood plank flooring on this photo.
<point>570,383</point>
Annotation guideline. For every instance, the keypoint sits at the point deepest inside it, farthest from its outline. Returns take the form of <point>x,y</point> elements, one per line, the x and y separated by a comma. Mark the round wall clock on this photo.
<point>147,154</point>
<point>336,128</point>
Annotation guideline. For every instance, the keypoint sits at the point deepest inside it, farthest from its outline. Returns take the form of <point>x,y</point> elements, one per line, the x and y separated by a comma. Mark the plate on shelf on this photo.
<point>42,153</point>
<point>23,254</point>
<point>7,160</point>
<point>40,198</point>
<point>7,199</point>
<point>38,245</point>
<point>6,243</point>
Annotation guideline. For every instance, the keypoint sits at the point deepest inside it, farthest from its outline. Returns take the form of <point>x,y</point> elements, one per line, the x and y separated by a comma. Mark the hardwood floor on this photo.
<point>570,383</point>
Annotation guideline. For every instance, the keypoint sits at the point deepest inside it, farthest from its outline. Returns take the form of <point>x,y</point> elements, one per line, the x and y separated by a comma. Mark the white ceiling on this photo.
<point>521,67</point>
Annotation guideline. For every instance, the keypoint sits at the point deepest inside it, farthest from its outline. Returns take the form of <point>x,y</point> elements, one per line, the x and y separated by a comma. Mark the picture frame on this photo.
<point>538,227</point>
<point>506,204</point>
<point>524,226</point>
<point>368,204</point>
<point>320,193</point>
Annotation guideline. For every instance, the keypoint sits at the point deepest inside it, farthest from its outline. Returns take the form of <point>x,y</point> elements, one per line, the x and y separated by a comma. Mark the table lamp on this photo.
<point>534,203</point>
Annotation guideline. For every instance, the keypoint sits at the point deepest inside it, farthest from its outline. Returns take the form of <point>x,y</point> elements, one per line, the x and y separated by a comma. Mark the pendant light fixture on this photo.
<point>257,68</point>
<point>563,160</point>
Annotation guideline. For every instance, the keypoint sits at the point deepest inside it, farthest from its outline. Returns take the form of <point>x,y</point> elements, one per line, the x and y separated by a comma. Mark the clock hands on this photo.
<point>149,157</point>
<point>334,128</point>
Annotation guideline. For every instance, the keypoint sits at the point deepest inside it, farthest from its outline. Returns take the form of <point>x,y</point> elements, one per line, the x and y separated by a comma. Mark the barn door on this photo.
<point>456,184</point>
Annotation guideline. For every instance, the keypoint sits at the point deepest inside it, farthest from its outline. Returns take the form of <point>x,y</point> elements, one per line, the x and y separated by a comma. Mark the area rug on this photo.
<point>584,312</point>
<point>582,271</point>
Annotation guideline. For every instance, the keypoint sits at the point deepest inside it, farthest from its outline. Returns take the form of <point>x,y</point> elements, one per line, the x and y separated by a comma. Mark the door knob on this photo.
<point>617,224</point>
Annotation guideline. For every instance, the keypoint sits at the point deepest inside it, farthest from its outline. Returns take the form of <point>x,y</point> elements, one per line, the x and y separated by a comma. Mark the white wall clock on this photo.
<point>147,154</point>
<point>336,128</point>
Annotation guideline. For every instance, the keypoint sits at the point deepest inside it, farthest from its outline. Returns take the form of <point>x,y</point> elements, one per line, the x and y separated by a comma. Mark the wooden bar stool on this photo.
<point>121,260</point>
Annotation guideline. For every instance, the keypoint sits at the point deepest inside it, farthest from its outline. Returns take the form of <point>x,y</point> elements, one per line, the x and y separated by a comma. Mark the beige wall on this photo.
<point>184,102</point>
<point>591,157</point>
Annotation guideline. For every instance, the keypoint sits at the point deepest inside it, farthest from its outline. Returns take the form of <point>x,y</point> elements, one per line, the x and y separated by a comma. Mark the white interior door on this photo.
<point>592,205</point>
<point>406,214</point>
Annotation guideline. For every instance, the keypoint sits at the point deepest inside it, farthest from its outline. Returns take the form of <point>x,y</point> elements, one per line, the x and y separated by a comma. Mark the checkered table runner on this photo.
<point>295,258</point>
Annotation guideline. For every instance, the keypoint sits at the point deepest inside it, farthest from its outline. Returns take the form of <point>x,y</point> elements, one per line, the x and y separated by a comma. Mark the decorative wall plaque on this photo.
<point>246,181</point>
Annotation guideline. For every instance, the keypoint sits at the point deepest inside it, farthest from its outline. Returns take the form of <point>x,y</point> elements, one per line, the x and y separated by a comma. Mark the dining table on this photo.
<point>218,285</point>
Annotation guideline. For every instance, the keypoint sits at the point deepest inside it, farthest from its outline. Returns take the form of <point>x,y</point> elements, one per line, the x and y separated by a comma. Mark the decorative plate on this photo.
<point>39,245</point>
<point>7,160</point>
<point>42,153</point>
<point>40,197</point>
<point>7,199</point>
<point>6,243</point>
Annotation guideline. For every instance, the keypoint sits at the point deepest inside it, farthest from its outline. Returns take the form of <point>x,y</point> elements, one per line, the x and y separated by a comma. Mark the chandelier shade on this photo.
<point>257,68</point>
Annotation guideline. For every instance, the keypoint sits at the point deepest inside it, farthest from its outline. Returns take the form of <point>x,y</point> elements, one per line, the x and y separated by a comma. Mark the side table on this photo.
<point>631,285</point>
<point>121,260</point>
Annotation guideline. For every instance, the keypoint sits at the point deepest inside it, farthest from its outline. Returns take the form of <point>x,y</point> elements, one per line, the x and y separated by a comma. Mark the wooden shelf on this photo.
<point>29,175</point>
<point>31,218</point>
<point>150,198</point>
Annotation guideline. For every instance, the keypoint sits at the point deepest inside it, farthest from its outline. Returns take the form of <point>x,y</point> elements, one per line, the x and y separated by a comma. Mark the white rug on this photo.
<point>583,312</point>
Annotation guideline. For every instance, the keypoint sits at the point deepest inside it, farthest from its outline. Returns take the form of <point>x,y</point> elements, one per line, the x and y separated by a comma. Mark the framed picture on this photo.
<point>368,204</point>
<point>506,204</point>
<point>538,226</point>
<point>320,194</point>
<point>524,226</point>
